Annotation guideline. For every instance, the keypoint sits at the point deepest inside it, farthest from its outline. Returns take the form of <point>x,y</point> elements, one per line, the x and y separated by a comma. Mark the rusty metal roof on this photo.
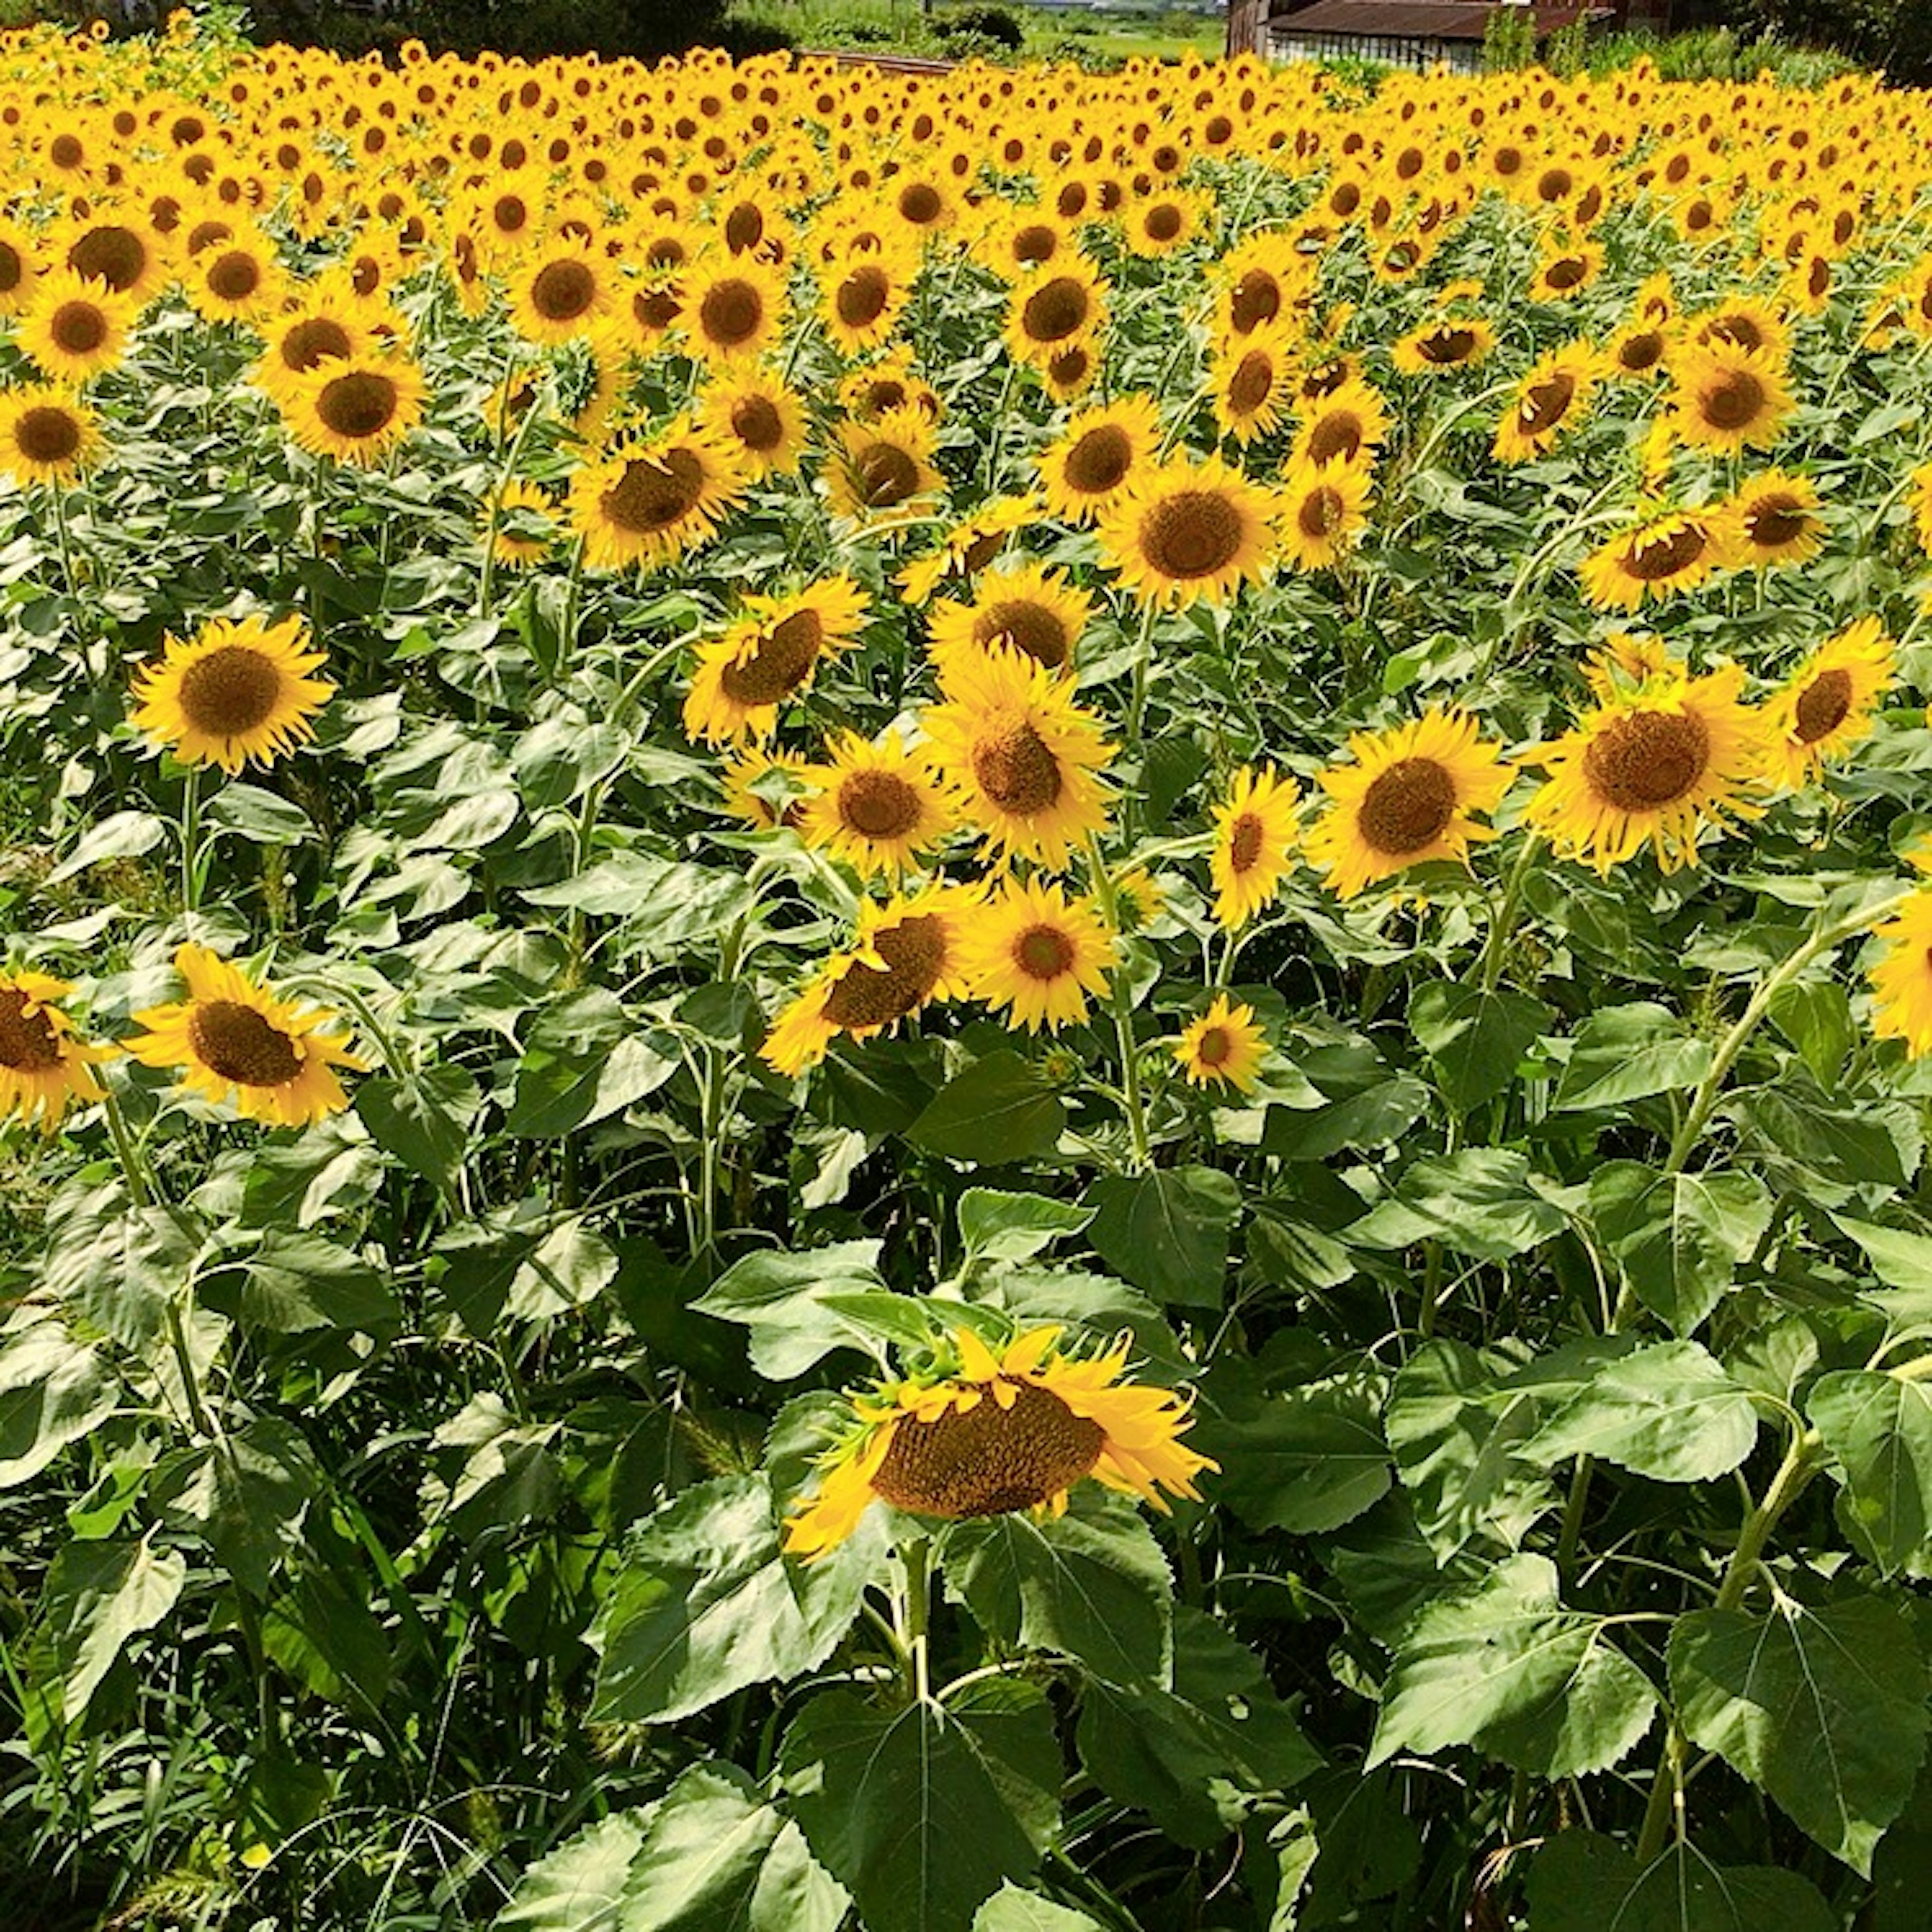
<point>1413,19</point>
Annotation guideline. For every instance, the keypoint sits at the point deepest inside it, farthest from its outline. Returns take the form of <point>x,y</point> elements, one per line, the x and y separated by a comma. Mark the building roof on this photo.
<point>1413,19</point>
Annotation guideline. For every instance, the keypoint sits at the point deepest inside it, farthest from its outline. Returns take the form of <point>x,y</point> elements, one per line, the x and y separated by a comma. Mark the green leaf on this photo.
<point>1372,1118</point>
<point>1874,1144</point>
<point>1475,1037</point>
<point>1000,1108</point>
<point>1167,1231</point>
<point>1010,1910</point>
<point>253,813</point>
<point>1308,1460</point>
<point>244,1495</point>
<point>668,907</point>
<point>1823,1708</point>
<point>1879,1427</point>
<point>922,1813</point>
<point>1628,1053</point>
<point>580,1886</point>
<point>1502,1666</point>
<point>115,1264</point>
<point>1816,1016</point>
<point>781,1298</point>
<point>1678,1238</point>
<point>297,1282</point>
<point>97,1596</point>
<point>121,835</point>
<point>1581,1882</point>
<point>570,1266</point>
<point>1668,1411</point>
<point>999,1227</point>
<point>424,1121</point>
<point>1092,1585</point>
<point>1483,1201</point>
<point>1903,1260</point>
<point>584,1059</point>
<point>705,1605</point>
<point>53,1392</point>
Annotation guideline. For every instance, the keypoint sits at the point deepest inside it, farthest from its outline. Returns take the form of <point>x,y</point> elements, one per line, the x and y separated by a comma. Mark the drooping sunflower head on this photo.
<point>1408,797</point>
<point>1439,348</point>
<point>879,469</point>
<point>233,1037</point>
<point>1726,399</point>
<point>1223,1047</point>
<point>977,1434</point>
<point>1779,520</point>
<point>1324,509</point>
<point>1254,837</point>
<point>1099,454</point>
<point>235,693</point>
<point>968,547</point>
<point>767,656</point>
<point>1037,955</point>
<point>1034,609</point>
<point>1671,551</point>
<point>1826,706</point>
<point>875,805</point>
<point>45,1066</point>
<point>645,503</point>
<point>355,410</point>
<point>1186,531</point>
<point>47,433</point>
<point>1549,399</point>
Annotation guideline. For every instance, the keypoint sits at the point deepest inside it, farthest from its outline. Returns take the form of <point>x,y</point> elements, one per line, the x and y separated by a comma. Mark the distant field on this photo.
<point>1051,32</point>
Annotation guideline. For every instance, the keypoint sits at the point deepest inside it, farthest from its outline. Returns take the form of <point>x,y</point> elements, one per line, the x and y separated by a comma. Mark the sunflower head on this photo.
<point>1826,706</point>
<point>237,693</point>
<point>1224,1047</point>
<point>1254,837</point>
<point>745,676</point>
<point>45,1066</point>
<point>47,433</point>
<point>645,503</point>
<point>1099,454</point>
<point>356,409</point>
<point>1188,531</point>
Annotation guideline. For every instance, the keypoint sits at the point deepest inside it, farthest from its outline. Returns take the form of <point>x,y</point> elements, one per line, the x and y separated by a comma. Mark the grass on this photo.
<point>900,26</point>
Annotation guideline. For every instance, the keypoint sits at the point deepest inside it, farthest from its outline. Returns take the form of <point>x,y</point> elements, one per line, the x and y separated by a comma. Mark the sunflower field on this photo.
<point>979,1002</point>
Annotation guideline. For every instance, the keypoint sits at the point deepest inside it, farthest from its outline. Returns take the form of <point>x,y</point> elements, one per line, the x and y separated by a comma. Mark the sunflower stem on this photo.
<point>191,842</point>
<point>1123,1018</point>
<point>1496,948</point>
<point>140,1188</point>
<point>914,1557</point>
<point>1143,663</point>
<point>66,545</point>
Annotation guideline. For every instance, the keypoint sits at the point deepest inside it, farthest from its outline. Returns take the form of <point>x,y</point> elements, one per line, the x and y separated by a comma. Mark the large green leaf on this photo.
<point>922,1812</point>
<point>1668,1411</point>
<point>585,1059</point>
<point>1167,1231</point>
<point>299,1282</point>
<point>53,1391</point>
<point>423,1120</point>
<point>1902,1260</point>
<point>1000,1108</point>
<point>1627,1053</point>
<point>1371,1117</point>
<point>1307,1459</point>
<point>1484,1201</point>
<point>1824,1708</point>
<point>1678,1238</point>
<point>1501,1665</point>
<point>1475,1035</point>
<point>244,1495</point>
<point>1010,1910</point>
<point>1581,1882</point>
<point>1879,1427</point>
<point>580,1886</point>
<point>800,1307</point>
<point>97,1596</point>
<point>1002,1227</point>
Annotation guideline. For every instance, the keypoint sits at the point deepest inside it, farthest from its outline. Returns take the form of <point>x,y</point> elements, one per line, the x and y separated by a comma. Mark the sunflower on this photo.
<point>889,384</point>
<point>762,417</point>
<point>1019,755</point>
<point>1262,281</point>
<point>1437,347</point>
<point>47,433</point>
<point>968,547</point>
<point>355,411</point>
<point>646,502</point>
<point>239,280</point>
<point>733,309</point>
<point>767,656</point>
<point>1827,704</point>
<point>73,329</point>
<point>1566,273</point>
<point>1060,306</point>
<point>1189,530</point>
<point>1778,520</point>
<point>20,266</point>
<point>235,694</point>
<point>861,297</point>
<point>328,320</point>
<point>1920,499</point>
<point>1031,950</point>
<point>1347,425</point>
<point>1255,833</point>
<point>520,526</point>
<point>1638,353</point>
<point>1727,399</point>
<point>1671,550</point>
<point>985,1435</point>
<point>1323,509</point>
<point>1223,1048</point>
<point>1550,397</point>
<point>1406,799</point>
<point>909,952</point>
<point>561,289</point>
<point>232,1036</point>
<point>1740,323</point>
<point>1165,222</point>
<point>1097,455</point>
<point>1901,979</point>
<point>879,469</point>
<point>1657,764</point>
<point>1251,386</point>
<point>746,777</point>
<point>876,807</point>
<point>127,257</point>
<point>1034,609</point>
<point>1071,371</point>
<point>43,1067</point>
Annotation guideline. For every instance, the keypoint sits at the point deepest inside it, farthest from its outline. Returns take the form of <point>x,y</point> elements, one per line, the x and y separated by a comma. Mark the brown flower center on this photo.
<point>1245,837</point>
<point>863,296</point>
<point>235,276</point>
<point>1251,383</point>
<point>47,433</point>
<point>782,662</point>
<point>885,475</point>
<point>756,423</point>
<point>230,692</point>
<point>1740,331</point>
<point>1775,521</point>
<point>28,1043</point>
<point>990,1461</point>
<point>1647,759</point>
<point>1655,559</point>
<point>1824,704</point>
<point>1322,513</point>
<point>1336,435</point>
<point>878,805</point>
<point>78,327</point>
<point>1163,222</point>
<point>920,204</point>
<point>1036,243</point>
<point>358,406</point>
<point>1192,534</point>
<point>116,255</point>
<point>981,551</point>
<point>1734,402</point>
<point>1446,347</point>
<point>64,150</point>
<point>1028,626</point>
<point>654,493</point>
<point>241,1045</point>
<point>12,268</point>
<point>1642,352</point>
<point>1099,461</point>
<point>1566,273</point>
<point>311,340</point>
<point>509,213</point>
<point>1055,310</point>
<point>914,951</point>
<point>1067,368</point>
<point>731,313</point>
<point>1214,1049</point>
<point>1043,952</point>
<point>744,229</point>
<point>1545,403</point>
<point>1017,771</point>
<point>1256,299</point>
<point>1407,807</point>
<point>1318,384</point>
<point>563,291</point>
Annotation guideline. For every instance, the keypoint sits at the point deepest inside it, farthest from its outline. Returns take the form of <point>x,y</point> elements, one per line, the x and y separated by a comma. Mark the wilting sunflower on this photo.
<point>1224,1047</point>
<point>1406,799</point>
<point>767,656</point>
<point>1438,348</point>
<point>746,777</point>
<point>1098,453</point>
<point>762,417</point>
<point>1254,834</point>
<point>522,526</point>
<point>1061,305</point>
<point>355,411</point>
<point>560,289</point>
<point>1548,399</point>
<point>875,805</point>
<point>1901,979</point>
<point>908,953</point>
<point>968,547</point>
<point>734,308</point>
<point>1656,764</point>
<point>1253,384</point>
<point>645,503</point>
<point>236,693</point>
<point>230,1035</point>
<point>1670,551</point>
<point>1727,399</point>
<point>1019,755</point>
<point>985,1435</point>
<point>1032,609</point>
<point>47,434</point>
<point>73,329</point>
<point>44,1066</point>
<point>1324,509</point>
<point>1778,520</point>
<point>1346,425</point>
<point>1826,705</point>
<point>1184,531</point>
<point>1031,950</point>
<point>879,471</point>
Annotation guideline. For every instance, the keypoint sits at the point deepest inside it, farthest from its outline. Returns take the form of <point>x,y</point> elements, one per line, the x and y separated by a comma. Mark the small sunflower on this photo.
<point>879,469</point>
<point>44,1068</point>
<point>1031,950</point>
<point>1566,274</point>
<point>1548,399</point>
<point>1826,705</point>
<point>767,657</point>
<point>232,1036</point>
<point>1071,371</point>
<point>238,281</point>
<point>968,547</point>
<point>1670,551</point>
<point>762,417</point>
<point>889,384</point>
<point>1406,799</point>
<point>1254,835</point>
<point>1224,1047</point>
<point>1779,520</point>
<point>1654,765</point>
<point>1034,610</point>
<point>522,526</point>
<point>1053,310</point>
<point>1439,348</point>
<point>1185,531</point>
<point>1901,979</point>
<point>909,953</point>
<point>986,1435</point>
<point>861,297</point>
<point>1252,385</point>
<point>561,289</point>
<point>47,434</point>
<point>875,805</point>
<point>1020,756</point>
<point>1324,509</point>
<point>1638,353</point>
<point>1098,455</point>
<point>354,411</point>
<point>746,777</point>
<point>72,329</point>
<point>1346,425</point>
<point>328,320</point>
<point>235,694</point>
<point>734,309</point>
<point>1726,399</point>
<point>646,503</point>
